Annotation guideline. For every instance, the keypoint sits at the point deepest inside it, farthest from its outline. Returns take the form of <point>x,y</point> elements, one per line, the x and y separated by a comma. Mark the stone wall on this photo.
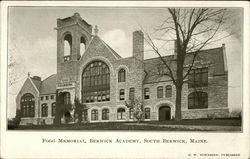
<point>206,113</point>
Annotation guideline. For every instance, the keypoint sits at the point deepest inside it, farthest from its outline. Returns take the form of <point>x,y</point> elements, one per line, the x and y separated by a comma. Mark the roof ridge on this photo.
<point>112,50</point>
<point>91,40</point>
<point>188,53</point>
<point>49,77</point>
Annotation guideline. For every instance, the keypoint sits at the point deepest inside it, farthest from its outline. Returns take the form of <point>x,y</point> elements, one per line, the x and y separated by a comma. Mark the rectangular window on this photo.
<point>198,100</point>
<point>52,97</point>
<point>103,97</point>
<point>99,98</point>
<point>122,94</point>
<point>41,98</point>
<point>147,113</point>
<point>47,97</point>
<point>198,78</point>
<point>168,91</point>
<point>160,92</point>
<point>85,115</point>
<point>131,93</point>
<point>94,115</point>
<point>32,111</point>
<point>146,93</point>
<point>53,112</point>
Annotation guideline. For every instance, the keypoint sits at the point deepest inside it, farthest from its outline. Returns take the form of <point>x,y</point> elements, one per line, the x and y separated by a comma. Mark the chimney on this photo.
<point>37,78</point>
<point>138,45</point>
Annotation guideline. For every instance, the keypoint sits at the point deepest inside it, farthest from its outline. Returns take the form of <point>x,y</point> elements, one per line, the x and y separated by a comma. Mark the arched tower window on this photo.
<point>82,45</point>
<point>96,82</point>
<point>198,100</point>
<point>67,47</point>
<point>28,105</point>
<point>121,75</point>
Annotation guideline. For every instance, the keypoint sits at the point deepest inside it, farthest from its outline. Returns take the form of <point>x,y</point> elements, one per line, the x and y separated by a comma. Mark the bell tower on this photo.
<point>73,37</point>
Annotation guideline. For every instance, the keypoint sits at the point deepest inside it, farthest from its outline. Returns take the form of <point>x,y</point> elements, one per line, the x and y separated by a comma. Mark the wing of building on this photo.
<point>90,71</point>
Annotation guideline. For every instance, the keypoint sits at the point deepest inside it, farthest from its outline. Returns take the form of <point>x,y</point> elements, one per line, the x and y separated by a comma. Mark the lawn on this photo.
<point>183,125</point>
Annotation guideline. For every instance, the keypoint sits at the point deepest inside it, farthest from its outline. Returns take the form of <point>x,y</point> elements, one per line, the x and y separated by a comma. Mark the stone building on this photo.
<point>91,71</point>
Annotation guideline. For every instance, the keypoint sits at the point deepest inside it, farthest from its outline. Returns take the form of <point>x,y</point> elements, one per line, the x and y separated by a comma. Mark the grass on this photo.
<point>215,122</point>
<point>150,125</point>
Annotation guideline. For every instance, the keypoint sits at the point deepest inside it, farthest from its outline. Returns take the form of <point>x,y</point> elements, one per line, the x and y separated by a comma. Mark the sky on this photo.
<point>32,40</point>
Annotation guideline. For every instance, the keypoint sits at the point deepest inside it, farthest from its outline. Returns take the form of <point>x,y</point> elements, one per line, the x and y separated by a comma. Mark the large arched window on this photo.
<point>96,82</point>
<point>198,100</point>
<point>122,75</point>
<point>105,114</point>
<point>121,114</point>
<point>28,105</point>
<point>44,110</point>
<point>67,47</point>
<point>94,114</point>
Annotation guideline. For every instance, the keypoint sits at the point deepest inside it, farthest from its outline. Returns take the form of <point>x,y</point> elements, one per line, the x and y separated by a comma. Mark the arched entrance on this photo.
<point>67,116</point>
<point>164,113</point>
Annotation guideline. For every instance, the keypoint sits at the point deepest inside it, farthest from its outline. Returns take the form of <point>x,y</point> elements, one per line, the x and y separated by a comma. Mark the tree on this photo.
<point>15,68</point>
<point>192,30</point>
<point>137,106</point>
<point>61,108</point>
<point>79,109</point>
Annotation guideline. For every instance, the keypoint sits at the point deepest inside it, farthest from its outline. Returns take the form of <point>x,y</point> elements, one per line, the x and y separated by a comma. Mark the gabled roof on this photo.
<point>215,56</point>
<point>99,40</point>
<point>113,51</point>
<point>48,86</point>
<point>37,83</point>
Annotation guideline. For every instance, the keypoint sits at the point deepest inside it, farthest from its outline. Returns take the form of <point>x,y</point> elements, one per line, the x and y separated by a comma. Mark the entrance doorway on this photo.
<point>164,113</point>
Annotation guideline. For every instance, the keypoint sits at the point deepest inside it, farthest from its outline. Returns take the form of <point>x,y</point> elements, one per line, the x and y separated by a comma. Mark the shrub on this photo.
<point>14,123</point>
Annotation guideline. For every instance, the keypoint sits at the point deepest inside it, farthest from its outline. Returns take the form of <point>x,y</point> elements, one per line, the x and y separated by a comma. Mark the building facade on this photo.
<point>91,71</point>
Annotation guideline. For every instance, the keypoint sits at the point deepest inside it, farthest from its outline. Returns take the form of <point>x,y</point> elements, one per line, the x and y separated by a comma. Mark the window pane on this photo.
<point>131,93</point>
<point>146,93</point>
<point>168,91</point>
<point>147,113</point>
<point>122,94</point>
<point>198,100</point>
<point>160,92</point>
<point>96,82</point>
<point>121,75</point>
<point>27,105</point>
<point>198,77</point>
<point>121,114</point>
